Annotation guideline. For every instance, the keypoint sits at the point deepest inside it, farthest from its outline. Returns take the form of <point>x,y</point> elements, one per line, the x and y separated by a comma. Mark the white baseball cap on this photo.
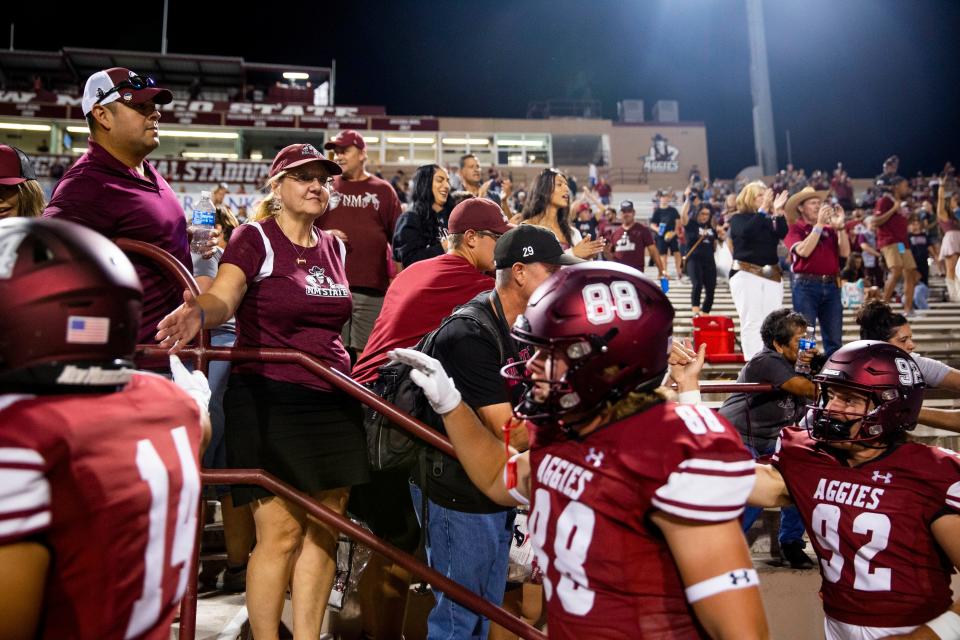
<point>118,83</point>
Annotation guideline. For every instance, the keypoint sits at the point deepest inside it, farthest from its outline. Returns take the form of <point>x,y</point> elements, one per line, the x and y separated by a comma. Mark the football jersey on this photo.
<point>870,527</point>
<point>110,484</point>
<point>608,573</point>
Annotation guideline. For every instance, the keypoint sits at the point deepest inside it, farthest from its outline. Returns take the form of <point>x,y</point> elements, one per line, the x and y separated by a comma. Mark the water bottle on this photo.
<point>204,217</point>
<point>807,342</point>
<point>665,284</point>
<point>662,229</point>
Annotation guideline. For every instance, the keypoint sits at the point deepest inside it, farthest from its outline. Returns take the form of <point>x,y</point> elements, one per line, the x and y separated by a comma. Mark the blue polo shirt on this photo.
<point>102,193</point>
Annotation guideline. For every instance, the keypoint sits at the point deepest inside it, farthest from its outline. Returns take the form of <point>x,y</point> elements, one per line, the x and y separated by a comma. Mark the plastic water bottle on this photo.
<point>807,342</point>
<point>665,284</point>
<point>204,217</point>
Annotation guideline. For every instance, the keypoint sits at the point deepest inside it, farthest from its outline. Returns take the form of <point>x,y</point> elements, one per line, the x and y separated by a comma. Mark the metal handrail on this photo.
<point>331,518</point>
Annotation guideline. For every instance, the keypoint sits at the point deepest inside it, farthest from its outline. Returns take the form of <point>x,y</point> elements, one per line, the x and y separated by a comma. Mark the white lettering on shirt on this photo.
<point>848,493</point>
<point>564,476</point>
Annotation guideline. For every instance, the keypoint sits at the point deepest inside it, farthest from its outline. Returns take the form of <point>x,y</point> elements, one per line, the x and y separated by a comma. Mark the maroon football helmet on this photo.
<point>612,325</point>
<point>68,296</point>
<point>884,373</point>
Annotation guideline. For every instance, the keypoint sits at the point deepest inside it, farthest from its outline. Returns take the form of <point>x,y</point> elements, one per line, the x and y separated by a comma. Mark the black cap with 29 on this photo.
<point>528,243</point>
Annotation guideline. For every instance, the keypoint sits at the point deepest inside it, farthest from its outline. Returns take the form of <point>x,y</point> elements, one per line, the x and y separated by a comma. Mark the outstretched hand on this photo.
<point>181,325</point>
<point>588,247</point>
<point>429,375</point>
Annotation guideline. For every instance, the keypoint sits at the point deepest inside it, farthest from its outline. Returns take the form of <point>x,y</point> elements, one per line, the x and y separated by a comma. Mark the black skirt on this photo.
<point>310,439</point>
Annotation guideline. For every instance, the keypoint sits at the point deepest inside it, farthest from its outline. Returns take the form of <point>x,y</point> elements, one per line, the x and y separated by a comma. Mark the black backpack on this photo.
<point>389,447</point>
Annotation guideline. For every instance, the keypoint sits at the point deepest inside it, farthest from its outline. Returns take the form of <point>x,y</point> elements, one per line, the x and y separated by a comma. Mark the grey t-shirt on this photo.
<point>933,371</point>
<point>769,412</point>
<point>208,267</point>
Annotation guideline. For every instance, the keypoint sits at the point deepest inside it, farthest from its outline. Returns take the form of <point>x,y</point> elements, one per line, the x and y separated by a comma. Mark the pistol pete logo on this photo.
<point>319,284</point>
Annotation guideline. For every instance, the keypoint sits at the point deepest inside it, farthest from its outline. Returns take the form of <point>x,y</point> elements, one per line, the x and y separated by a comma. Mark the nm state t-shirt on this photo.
<point>367,211</point>
<point>290,305</point>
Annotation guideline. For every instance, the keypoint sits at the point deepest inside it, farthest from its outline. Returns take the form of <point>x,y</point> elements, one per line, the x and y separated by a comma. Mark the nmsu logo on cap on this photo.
<point>309,150</point>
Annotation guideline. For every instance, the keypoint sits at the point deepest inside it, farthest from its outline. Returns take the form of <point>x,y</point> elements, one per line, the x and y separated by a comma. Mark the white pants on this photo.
<point>755,298</point>
<point>836,630</point>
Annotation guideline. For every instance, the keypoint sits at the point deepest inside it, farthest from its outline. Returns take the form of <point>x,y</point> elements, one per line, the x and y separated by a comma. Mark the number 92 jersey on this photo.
<point>607,571</point>
<point>110,484</point>
<point>870,527</point>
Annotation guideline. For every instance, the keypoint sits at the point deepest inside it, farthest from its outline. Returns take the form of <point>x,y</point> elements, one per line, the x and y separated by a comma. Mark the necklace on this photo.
<point>301,261</point>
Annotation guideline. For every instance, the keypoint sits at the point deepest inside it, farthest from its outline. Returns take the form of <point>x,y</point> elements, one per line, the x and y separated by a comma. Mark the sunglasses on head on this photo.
<point>133,82</point>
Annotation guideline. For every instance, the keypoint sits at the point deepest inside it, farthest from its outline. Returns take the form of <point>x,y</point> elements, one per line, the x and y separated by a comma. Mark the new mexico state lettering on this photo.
<point>564,476</point>
<point>848,493</point>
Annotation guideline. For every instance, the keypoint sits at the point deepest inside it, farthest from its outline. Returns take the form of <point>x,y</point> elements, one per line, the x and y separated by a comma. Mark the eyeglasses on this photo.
<point>134,82</point>
<point>490,234</point>
<point>307,178</point>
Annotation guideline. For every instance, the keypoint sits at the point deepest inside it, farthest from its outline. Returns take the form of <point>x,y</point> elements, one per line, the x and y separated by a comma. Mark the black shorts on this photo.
<point>310,439</point>
<point>664,245</point>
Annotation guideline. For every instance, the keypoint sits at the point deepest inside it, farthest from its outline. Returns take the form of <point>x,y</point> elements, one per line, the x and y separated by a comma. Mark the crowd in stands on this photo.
<point>345,266</point>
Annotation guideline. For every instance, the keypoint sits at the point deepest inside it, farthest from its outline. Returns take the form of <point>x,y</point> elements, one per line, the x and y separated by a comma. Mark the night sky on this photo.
<point>853,80</point>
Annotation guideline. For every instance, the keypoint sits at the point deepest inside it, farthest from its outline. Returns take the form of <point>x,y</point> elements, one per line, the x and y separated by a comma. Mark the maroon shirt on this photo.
<point>825,258</point>
<point>109,483</point>
<point>417,301</point>
<point>287,305</point>
<point>893,230</point>
<point>102,193</point>
<point>607,572</point>
<point>870,527</point>
<point>367,211</point>
<point>629,245</point>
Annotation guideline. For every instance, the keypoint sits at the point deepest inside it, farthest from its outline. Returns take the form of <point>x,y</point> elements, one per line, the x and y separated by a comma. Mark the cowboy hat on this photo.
<point>802,196</point>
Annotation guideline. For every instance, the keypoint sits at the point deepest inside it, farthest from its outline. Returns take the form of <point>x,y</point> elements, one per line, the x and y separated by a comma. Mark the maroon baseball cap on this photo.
<point>346,138</point>
<point>118,83</point>
<point>298,154</point>
<point>15,166</point>
<point>478,214</point>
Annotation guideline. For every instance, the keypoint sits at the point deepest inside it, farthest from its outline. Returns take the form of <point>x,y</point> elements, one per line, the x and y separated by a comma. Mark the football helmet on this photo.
<point>884,373</point>
<point>70,304</point>
<point>612,325</point>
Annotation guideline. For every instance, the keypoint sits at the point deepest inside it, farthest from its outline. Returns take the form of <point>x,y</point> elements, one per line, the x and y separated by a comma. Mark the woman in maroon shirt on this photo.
<point>285,281</point>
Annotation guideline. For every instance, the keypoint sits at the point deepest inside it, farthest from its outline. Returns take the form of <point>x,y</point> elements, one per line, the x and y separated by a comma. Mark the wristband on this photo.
<point>689,397</point>
<point>946,625</point>
<point>818,229</point>
<point>511,481</point>
<point>730,581</point>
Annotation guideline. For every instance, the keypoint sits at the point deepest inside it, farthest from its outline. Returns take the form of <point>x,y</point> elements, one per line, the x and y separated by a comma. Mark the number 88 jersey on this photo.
<point>870,527</point>
<point>607,571</point>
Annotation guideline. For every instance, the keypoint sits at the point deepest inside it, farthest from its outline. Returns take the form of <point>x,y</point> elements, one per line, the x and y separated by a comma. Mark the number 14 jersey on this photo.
<point>110,484</point>
<point>607,571</point>
<point>870,527</point>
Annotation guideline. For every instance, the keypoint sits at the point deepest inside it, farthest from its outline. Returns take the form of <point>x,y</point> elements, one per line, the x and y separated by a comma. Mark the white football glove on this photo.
<point>195,384</point>
<point>429,375</point>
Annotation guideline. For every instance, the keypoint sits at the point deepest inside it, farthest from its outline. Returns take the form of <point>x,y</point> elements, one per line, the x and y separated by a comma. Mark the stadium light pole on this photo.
<point>764,138</point>
<point>163,39</point>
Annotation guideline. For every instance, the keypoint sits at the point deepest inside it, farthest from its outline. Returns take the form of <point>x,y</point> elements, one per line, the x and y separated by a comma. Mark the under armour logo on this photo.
<point>736,578</point>
<point>886,477</point>
<point>595,457</point>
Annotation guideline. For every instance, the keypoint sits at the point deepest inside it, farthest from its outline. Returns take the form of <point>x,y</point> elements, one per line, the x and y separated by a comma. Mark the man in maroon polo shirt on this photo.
<point>630,242</point>
<point>426,292</point>
<point>363,213</point>
<point>817,240</point>
<point>892,240</point>
<point>112,189</point>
